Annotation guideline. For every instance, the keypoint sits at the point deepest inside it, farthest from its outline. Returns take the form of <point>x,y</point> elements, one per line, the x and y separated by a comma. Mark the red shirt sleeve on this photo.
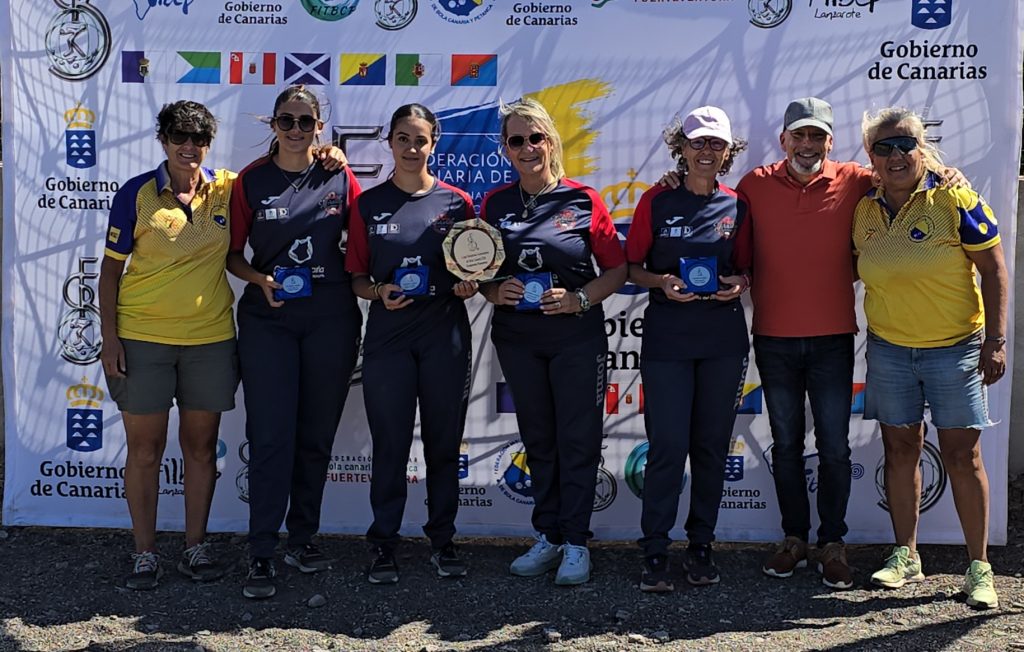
<point>240,214</point>
<point>743,247</point>
<point>640,236</point>
<point>354,189</point>
<point>357,256</point>
<point>604,239</point>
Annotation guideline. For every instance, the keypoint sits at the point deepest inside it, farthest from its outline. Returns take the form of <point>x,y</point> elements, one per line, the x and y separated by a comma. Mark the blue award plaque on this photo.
<point>413,280</point>
<point>534,287</point>
<point>699,274</point>
<point>295,282</point>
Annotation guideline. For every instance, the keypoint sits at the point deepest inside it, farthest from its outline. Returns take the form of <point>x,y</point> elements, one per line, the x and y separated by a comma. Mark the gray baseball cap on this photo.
<point>808,112</point>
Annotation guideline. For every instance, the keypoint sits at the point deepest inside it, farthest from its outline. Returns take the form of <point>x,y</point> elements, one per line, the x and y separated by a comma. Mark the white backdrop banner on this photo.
<point>84,79</point>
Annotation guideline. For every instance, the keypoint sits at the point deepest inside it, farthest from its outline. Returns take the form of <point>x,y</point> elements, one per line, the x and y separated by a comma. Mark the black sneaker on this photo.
<point>197,563</point>
<point>700,565</point>
<point>308,559</point>
<point>447,562</point>
<point>383,569</point>
<point>655,577</point>
<point>259,583</point>
<point>146,571</point>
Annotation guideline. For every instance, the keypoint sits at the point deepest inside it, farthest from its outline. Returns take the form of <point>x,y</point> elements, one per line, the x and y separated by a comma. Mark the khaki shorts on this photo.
<point>198,377</point>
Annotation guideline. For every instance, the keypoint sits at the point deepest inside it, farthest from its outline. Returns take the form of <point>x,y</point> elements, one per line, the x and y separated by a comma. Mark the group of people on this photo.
<point>796,233</point>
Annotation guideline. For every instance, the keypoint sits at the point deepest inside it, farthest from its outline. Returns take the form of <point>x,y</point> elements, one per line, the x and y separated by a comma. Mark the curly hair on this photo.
<point>677,141</point>
<point>187,116</point>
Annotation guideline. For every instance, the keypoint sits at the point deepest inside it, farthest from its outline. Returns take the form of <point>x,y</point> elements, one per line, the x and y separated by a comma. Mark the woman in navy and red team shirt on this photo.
<point>417,344</point>
<point>553,356</point>
<point>694,353</point>
<point>297,354</point>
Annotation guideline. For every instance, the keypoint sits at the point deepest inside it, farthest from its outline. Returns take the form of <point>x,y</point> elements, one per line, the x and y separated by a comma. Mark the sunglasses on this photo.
<point>307,123</point>
<point>716,144</point>
<point>516,142</point>
<point>884,147</point>
<point>179,137</point>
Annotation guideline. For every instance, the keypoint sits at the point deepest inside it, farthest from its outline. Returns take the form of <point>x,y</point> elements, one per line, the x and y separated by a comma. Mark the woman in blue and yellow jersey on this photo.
<point>168,332</point>
<point>298,332</point>
<point>934,337</point>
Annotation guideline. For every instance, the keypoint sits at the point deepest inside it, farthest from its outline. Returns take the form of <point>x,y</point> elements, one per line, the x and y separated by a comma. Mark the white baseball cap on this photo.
<point>707,122</point>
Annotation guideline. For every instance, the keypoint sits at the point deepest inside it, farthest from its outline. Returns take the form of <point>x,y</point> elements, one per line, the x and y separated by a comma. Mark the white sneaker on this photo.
<point>539,559</point>
<point>575,566</point>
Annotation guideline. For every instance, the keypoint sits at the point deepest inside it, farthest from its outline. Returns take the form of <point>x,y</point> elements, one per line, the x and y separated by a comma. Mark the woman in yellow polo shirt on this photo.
<point>168,331</point>
<point>934,337</point>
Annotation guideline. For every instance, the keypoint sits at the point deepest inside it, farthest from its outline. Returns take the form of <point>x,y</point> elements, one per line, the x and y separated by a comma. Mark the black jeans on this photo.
<point>820,368</point>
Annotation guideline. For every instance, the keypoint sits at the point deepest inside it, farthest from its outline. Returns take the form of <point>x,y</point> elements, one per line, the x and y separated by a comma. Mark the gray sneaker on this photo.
<point>539,559</point>
<point>575,566</point>
<point>146,571</point>
<point>197,562</point>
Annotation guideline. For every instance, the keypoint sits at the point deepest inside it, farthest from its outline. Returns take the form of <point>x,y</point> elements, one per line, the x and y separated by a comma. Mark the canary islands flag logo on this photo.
<point>363,69</point>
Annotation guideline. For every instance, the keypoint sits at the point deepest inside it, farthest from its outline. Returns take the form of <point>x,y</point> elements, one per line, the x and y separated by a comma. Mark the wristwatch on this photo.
<point>581,296</point>
<point>997,339</point>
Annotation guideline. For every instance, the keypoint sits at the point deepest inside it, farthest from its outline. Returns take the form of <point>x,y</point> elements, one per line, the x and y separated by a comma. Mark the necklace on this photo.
<point>297,182</point>
<point>532,201</point>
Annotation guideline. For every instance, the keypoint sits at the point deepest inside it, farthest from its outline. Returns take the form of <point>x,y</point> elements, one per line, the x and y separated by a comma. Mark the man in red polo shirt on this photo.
<point>801,215</point>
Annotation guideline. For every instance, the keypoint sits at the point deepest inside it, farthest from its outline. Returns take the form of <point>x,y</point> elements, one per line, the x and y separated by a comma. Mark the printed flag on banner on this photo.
<point>134,67</point>
<point>419,70</point>
<point>205,67</point>
<point>363,69</point>
<point>474,70</point>
<point>253,68</point>
<point>313,68</point>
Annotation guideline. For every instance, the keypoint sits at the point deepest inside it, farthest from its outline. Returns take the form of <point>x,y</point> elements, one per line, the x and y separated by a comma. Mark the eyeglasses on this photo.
<point>179,137</point>
<point>716,144</point>
<point>884,147</point>
<point>516,142</point>
<point>307,123</point>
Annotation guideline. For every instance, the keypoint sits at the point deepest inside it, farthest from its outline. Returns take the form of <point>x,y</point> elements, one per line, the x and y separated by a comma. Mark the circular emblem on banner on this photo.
<point>605,490</point>
<point>394,14</point>
<point>462,12</point>
<point>473,250</point>
<point>77,40</point>
<point>636,467</point>
<point>933,478</point>
<point>512,475</point>
<point>242,478</point>
<point>330,10</point>
<point>79,335</point>
<point>768,13</point>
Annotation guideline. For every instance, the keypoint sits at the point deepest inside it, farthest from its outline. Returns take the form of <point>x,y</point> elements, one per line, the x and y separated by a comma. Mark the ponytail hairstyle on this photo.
<point>296,93</point>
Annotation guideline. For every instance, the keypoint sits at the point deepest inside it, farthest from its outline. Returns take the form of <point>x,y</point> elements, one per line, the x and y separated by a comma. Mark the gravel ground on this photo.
<point>60,589</point>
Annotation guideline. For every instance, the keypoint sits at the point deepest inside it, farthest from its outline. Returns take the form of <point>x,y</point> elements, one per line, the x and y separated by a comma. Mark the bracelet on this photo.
<point>998,339</point>
<point>376,290</point>
<point>583,299</point>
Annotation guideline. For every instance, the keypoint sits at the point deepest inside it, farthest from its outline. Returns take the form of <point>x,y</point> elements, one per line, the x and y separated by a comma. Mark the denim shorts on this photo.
<point>902,380</point>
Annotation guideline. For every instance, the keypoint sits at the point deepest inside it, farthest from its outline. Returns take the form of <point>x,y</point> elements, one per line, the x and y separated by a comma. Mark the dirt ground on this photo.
<point>61,589</point>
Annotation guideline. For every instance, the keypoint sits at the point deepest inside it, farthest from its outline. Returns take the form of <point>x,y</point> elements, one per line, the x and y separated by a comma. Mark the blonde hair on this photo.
<point>534,112</point>
<point>893,116</point>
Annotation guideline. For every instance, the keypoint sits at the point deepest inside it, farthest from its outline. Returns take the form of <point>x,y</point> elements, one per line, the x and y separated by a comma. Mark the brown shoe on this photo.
<point>792,554</point>
<point>835,572</point>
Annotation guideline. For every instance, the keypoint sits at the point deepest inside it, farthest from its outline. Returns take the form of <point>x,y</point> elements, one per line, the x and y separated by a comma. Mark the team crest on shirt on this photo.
<point>442,223</point>
<point>921,230</point>
<point>221,221</point>
<point>331,203</point>
<point>565,220</point>
<point>301,250</point>
<point>725,227</point>
<point>530,259</point>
